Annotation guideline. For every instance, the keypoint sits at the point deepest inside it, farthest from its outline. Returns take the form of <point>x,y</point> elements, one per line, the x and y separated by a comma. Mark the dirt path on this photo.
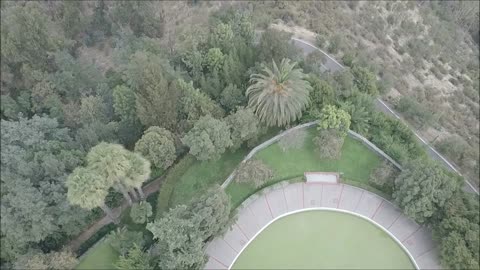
<point>90,231</point>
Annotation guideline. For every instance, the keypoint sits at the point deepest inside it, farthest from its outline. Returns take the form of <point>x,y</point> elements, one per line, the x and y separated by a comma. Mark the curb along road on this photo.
<point>332,65</point>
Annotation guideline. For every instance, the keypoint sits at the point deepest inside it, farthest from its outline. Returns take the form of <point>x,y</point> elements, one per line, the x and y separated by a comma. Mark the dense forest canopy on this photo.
<point>96,95</point>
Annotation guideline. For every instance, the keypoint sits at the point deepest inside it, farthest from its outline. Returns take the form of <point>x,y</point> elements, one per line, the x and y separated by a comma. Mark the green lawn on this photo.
<point>356,163</point>
<point>102,256</point>
<point>323,240</point>
<point>204,174</point>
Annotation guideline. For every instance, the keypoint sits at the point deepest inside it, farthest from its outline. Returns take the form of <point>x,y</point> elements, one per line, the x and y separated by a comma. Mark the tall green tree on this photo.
<point>211,212</point>
<point>37,156</point>
<point>195,104</point>
<point>195,224</point>
<point>276,45</point>
<point>280,94</point>
<point>27,35</point>
<point>157,145</point>
<point>111,163</point>
<point>365,80</point>
<point>322,94</point>
<point>423,188</point>
<point>135,258</point>
<point>88,190</point>
<point>332,117</point>
<point>181,248</point>
<point>208,139</point>
<point>232,97</point>
<point>140,17</point>
<point>157,95</point>
<point>73,22</point>
<point>244,126</point>
<point>124,103</point>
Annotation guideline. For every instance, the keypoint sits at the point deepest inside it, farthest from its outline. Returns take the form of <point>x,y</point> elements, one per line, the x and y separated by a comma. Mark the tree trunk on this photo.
<point>140,191</point>
<point>134,194</point>
<point>109,213</point>
<point>125,193</point>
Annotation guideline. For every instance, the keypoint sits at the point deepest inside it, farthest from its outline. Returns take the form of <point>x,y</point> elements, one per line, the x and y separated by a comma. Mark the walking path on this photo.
<point>260,209</point>
<point>85,235</point>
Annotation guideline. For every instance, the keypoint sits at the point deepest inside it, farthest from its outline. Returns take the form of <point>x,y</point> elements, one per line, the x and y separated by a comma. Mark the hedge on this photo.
<point>95,238</point>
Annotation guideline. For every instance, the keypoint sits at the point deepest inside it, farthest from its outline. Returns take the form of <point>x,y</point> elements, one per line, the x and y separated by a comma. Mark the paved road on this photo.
<point>332,65</point>
<point>261,209</point>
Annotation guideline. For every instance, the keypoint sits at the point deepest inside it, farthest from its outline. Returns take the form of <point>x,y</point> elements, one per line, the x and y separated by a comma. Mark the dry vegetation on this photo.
<point>414,53</point>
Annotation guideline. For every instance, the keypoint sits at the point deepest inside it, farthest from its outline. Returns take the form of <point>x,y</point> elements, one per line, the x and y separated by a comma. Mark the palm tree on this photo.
<point>110,161</point>
<point>278,96</point>
<point>88,190</point>
<point>138,173</point>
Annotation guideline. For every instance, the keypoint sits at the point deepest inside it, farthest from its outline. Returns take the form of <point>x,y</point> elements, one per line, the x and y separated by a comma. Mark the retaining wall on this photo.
<point>302,126</point>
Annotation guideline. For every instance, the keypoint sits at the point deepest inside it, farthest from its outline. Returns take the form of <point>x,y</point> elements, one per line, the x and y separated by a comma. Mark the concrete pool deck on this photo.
<point>260,209</point>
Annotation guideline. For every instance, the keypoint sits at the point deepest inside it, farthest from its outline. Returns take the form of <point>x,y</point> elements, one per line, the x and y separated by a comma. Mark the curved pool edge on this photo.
<point>330,210</point>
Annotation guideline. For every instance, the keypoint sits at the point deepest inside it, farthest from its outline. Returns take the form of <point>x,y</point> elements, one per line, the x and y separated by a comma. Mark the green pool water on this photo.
<point>323,240</point>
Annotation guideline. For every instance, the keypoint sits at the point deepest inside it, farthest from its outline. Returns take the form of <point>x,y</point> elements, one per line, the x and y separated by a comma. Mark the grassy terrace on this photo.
<point>102,256</point>
<point>355,164</point>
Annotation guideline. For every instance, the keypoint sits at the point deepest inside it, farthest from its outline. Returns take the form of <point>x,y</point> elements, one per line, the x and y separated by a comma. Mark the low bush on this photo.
<point>293,140</point>
<point>394,138</point>
<point>415,111</point>
<point>253,171</point>
<point>329,144</point>
<point>168,185</point>
<point>383,177</point>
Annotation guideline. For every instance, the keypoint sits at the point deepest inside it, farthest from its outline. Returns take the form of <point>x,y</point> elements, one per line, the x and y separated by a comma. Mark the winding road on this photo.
<point>332,65</point>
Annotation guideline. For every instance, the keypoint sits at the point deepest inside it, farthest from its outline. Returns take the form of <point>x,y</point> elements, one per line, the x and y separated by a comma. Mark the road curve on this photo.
<point>333,65</point>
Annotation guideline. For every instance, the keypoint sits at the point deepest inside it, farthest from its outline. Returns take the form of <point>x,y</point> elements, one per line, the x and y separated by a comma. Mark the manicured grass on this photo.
<point>355,164</point>
<point>202,175</point>
<point>323,240</point>
<point>102,256</point>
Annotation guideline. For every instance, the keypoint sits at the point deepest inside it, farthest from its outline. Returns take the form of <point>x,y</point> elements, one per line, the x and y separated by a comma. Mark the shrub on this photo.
<point>293,140</point>
<point>320,40</point>
<point>415,111</point>
<point>122,239</point>
<point>454,147</point>
<point>384,176</point>
<point>457,232</point>
<point>394,137</point>
<point>253,171</point>
<point>157,145</point>
<point>329,144</point>
<point>140,212</point>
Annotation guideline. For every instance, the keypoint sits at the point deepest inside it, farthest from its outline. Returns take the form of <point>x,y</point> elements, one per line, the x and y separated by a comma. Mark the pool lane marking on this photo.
<point>285,198</point>
<point>381,203</point>
<point>419,227</point>
<point>355,210</point>
<point>270,209</point>
<point>254,216</point>
<point>229,245</point>
<point>303,195</point>
<point>219,262</point>
<point>423,253</point>
<point>399,215</point>
<point>340,198</point>
<point>321,197</point>
<point>242,231</point>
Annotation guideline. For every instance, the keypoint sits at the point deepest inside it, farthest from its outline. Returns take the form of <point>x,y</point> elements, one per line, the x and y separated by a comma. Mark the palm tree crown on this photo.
<point>278,96</point>
<point>86,188</point>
